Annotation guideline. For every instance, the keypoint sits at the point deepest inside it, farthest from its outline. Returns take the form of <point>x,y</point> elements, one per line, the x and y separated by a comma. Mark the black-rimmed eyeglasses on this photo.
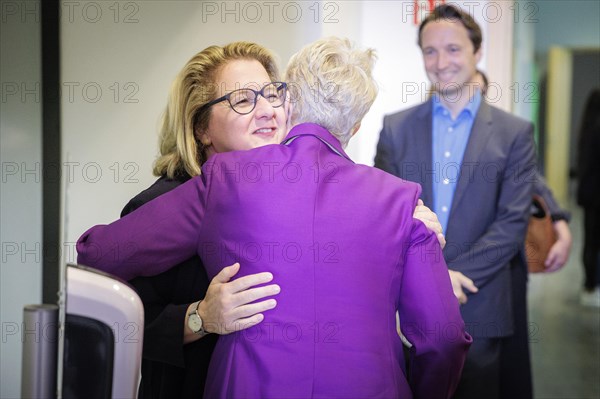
<point>243,101</point>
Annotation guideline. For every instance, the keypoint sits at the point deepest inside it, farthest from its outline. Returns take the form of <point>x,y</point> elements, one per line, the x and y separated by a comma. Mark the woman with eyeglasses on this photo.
<point>247,112</point>
<point>176,352</point>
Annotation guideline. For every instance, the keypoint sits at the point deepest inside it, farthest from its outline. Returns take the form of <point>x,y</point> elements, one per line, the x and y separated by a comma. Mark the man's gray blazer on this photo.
<point>490,209</point>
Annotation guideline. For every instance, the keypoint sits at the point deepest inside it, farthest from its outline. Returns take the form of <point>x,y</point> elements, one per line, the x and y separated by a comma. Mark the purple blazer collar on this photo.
<point>318,131</point>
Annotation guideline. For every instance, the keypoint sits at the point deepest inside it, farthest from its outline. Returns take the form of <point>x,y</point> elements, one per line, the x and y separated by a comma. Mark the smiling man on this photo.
<point>476,166</point>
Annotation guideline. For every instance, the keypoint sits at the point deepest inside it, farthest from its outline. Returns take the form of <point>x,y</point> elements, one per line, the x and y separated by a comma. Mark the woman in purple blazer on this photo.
<point>339,239</point>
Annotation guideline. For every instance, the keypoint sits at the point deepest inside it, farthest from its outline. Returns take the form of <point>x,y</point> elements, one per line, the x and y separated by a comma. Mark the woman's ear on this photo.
<point>204,139</point>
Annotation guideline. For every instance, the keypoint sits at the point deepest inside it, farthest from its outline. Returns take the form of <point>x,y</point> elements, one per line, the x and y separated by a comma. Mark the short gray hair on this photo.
<point>331,84</point>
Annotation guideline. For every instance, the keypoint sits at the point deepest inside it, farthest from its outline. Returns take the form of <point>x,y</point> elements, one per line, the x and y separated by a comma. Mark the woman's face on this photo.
<point>229,131</point>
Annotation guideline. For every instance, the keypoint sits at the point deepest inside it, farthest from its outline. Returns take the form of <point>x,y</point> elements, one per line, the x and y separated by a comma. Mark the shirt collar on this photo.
<point>312,129</point>
<point>471,108</point>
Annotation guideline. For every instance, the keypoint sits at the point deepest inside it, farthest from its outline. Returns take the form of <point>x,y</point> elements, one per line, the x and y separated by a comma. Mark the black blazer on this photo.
<point>170,369</point>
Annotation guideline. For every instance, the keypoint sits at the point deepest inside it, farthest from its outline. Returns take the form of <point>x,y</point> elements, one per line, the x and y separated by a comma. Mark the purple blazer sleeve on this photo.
<point>166,298</point>
<point>154,238</point>
<point>430,319</point>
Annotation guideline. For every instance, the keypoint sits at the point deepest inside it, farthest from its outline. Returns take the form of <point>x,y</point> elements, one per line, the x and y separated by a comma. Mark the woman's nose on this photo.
<point>264,109</point>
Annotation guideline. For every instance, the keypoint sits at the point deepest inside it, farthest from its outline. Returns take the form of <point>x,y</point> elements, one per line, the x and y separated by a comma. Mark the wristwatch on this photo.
<point>195,321</point>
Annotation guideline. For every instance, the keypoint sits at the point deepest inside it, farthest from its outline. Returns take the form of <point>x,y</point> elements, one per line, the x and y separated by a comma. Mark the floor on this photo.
<point>564,336</point>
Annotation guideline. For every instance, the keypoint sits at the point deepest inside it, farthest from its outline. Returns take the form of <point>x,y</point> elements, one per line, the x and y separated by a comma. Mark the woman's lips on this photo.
<point>265,131</point>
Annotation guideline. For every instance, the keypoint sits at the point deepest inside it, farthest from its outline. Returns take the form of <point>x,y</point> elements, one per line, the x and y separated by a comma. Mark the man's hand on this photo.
<point>559,252</point>
<point>425,215</point>
<point>460,281</point>
<point>229,306</point>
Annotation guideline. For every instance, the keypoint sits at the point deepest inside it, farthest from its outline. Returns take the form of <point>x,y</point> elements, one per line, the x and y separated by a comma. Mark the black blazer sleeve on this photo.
<point>167,296</point>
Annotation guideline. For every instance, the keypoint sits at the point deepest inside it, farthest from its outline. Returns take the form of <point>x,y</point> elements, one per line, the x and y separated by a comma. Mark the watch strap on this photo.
<point>195,313</point>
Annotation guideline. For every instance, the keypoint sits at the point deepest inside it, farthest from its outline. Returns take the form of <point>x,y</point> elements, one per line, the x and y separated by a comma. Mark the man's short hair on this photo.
<point>450,12</point>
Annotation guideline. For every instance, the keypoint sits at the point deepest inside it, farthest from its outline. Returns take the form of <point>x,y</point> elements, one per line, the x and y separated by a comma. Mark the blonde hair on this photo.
<point>331,84</point>
<point>181,151</point>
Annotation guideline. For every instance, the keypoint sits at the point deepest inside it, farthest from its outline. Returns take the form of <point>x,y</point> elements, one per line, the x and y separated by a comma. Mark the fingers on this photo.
<point>553,262</point>
<point>462,298</point>
<point>551,259</point>
<point>238,325</point>
<point>242,317</point>
<point>470,286</point>
<point>467,283</point>
<point>459,293</point>
<point>243,283</point>
<point>425,209</point>
<point>557,257</point>
<point>425,215</point>
<point>245,323</point>
<point>456,287</point>
<point>226,273</point>
<point>442,239</point>
<point>249,310</point>
<point>552,268</point>
<point>254,294</point>
<point>231,305</point>
<point>460,281</point>
<point>432,225</point>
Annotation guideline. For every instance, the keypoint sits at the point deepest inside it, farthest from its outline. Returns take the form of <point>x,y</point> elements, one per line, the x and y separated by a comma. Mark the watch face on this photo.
<point>195,323</point>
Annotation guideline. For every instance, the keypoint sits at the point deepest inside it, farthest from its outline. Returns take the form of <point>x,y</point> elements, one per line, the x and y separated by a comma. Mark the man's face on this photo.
<point>449,57</point>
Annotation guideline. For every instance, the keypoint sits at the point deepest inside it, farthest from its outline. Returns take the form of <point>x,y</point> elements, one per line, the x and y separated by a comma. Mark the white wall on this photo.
<point>21,184</point>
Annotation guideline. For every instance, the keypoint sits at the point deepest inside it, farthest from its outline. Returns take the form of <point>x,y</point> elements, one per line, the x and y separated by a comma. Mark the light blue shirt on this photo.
<point>450,137</point>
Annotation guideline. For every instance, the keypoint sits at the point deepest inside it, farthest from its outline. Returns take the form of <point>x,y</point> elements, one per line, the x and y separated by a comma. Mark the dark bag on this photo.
<point>540,235</point>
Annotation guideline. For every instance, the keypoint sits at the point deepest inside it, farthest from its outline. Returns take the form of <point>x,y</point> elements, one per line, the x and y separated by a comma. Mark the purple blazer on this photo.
<point>341,242</point>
